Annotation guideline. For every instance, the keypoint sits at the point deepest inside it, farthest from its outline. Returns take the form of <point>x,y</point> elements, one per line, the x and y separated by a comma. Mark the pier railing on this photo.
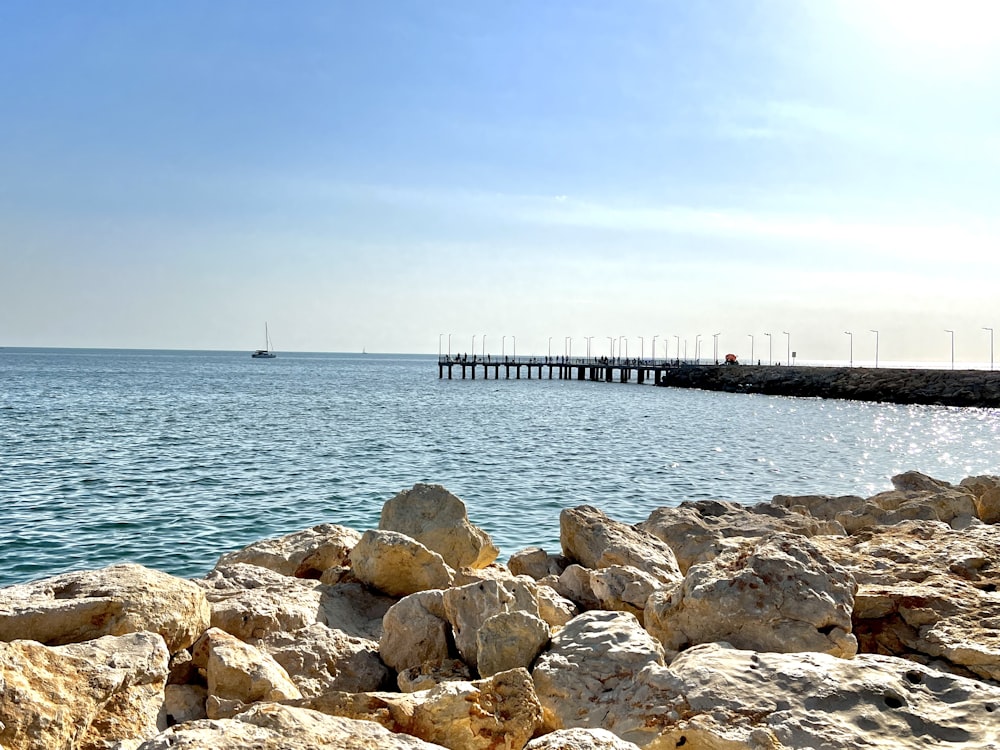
<point>605,369</point>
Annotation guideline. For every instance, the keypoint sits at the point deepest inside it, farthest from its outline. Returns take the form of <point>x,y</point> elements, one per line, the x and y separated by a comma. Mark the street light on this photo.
<point>515,346</point>
<point>788,338</point>
<point>876,346</point>
<point>751,347</point>
<point>588,338</point>
<point>626,347</point>
<point>715,347</point>
<point>503,347</point>
<point>611,342</point>
<point>550,347</point>
<point>484,347</point>
<point>473,348</point>
<point>850,361</point>
<point>440,336</point>
<point>952,347</point>
<point>991,345</point>
<point>769,341</point>
<point>568,346</point>
<point>697,348</point>
<point>642,347</point>
<point>449,346</point>
<point>678,347</point>
<point>652,347</point>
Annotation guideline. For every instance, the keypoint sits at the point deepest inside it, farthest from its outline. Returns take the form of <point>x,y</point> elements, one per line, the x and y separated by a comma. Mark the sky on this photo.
<point>542,174</point>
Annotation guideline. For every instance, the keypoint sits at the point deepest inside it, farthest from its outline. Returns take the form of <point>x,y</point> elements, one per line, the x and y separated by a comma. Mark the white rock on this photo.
<point>305,554</point>
<point>468,607</point>
<point>415,631</point>
<point>238,671</point>
<point>398,565</point>
<point>508,640</point>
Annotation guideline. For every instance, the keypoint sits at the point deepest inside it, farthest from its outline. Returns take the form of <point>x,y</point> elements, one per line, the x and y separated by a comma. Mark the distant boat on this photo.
<point>268,352</point>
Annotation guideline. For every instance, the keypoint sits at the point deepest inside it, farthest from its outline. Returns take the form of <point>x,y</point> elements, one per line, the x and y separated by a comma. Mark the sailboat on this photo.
<point>267,352</point>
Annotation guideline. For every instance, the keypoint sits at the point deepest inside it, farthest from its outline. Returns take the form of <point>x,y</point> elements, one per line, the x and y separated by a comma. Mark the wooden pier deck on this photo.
<point>601,369</point>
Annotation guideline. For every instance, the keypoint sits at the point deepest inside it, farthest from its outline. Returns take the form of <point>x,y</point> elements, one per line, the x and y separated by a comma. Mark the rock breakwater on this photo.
<point>815,621</point>
<point>898,386</point>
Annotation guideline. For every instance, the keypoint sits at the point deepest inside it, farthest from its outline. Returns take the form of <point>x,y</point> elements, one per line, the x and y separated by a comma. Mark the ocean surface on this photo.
<point>170,458</point>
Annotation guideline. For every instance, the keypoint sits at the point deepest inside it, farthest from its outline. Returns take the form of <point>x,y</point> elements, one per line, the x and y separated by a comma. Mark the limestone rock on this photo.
<point>184,703</point>
<point>554,609</point>
<point>250,602</point>
<point>305,554</point>
<point>269,726</point>
<point>623,588</point>
<point>498,712</point>
<point>438,520</point>
<point>575,585</point>
<point>536,563</point>
<point>238,671</point>
<point>597,653</point>
<point>914,481</point>
<point>714,696</point>
<point>783,594</point>
<point>988,506</point>
<point>431,674</point>
<point>821,507</point>
<point>319,659</point>
<point>81,696</point>
<point>508,640</point>
<point>120,599</point>
<point>700,531</point>
<point>580,739</point>
<point>467,608</point>
<point>594,540</point>
<point>415,631</point>
<point>398,565</point>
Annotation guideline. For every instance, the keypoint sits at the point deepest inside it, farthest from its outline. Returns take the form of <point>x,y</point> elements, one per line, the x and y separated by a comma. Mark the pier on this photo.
<point>600,369</point>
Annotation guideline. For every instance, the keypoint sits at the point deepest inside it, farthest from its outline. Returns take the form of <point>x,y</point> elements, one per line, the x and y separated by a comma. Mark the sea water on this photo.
<point>170,458</point>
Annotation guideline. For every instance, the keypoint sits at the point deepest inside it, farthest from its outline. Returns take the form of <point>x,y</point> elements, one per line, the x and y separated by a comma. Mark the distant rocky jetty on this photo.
<point>898,386</point>
<point>806,622</point>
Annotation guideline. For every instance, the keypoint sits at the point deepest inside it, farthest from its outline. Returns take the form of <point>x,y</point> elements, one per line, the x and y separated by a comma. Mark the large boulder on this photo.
<point>782,594</point>
<point>579,679</point>
<point>536,563</point>
<point>700,531</point>
<point>270,726</point>
<point>594,540</point>
<point>319,659</point>
<point>501,711</point>
<point>397,564</point>
<point>437,519</point>
<point>237,671</point>
<point>467,608</point>
<point>120,599</point>
<point>508,640</point>
<point>82,696</point>
<point>304,554</point>
<point>415,631</point>
<point>714,696</point>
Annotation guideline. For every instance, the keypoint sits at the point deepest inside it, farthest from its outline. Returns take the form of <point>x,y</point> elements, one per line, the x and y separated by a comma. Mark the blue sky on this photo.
<point>376,174</point>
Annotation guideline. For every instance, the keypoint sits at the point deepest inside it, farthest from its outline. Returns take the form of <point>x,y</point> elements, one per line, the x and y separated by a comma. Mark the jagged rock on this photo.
<point>468,607</point>
<point>238,671</point>
<point>580,739</point>
<point>574,584</point>
<point>120,599</point>
<point>305,554</point>
<point>782,594</point>
<point>508,640</point>
<point>492,572</point>
<point>554,609</point>
<point>184,703</point>
<point>597,653</point>
<point>81,696</point>
<point>499,712</point>
<point>822,507</point>
<point>713,696</point>
<point>988,506</point>
<point>250,602</point>
<point>415,630</point>
<point>431,674</point>
<point>319,659</point>
<point>914,481</point>
<point>438,520</point>
<point>269,726</point>
<point>593,540</point>
<point>623,588</point>
<point>398,565</point>
<point>700,531</point>
<point>536,563</point>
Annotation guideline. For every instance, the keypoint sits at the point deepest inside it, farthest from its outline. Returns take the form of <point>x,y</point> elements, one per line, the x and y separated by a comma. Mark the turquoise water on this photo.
<point>170,458</point>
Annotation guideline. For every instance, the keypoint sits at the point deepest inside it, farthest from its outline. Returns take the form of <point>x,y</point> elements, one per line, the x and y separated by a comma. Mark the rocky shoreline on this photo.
<point>805,622</point>
<point>899,386</point>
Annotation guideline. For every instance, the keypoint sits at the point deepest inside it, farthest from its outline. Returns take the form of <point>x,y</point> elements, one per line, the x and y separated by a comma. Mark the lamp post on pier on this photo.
<point>515,346</point>
<point>568,346</point>
<point>991,345</point>
<point>952,347</point>
<point>876,346</point>
<point>850,361</point>
<point>652,348</point>
<point>449,346</point>
<point>550,347</point>
<point>715,347</point>
<point>642,347</point>
<point>473,350</point>
<point>751,347</point>
<point>770,359</point>
<point>588,338</point>
<point>611,342</point>
<point>484,347</point>
<point>626,347</point>
<point>788,338</point>
<point>678,347</point>
<point>440,336</point>
<point>697,349</point>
